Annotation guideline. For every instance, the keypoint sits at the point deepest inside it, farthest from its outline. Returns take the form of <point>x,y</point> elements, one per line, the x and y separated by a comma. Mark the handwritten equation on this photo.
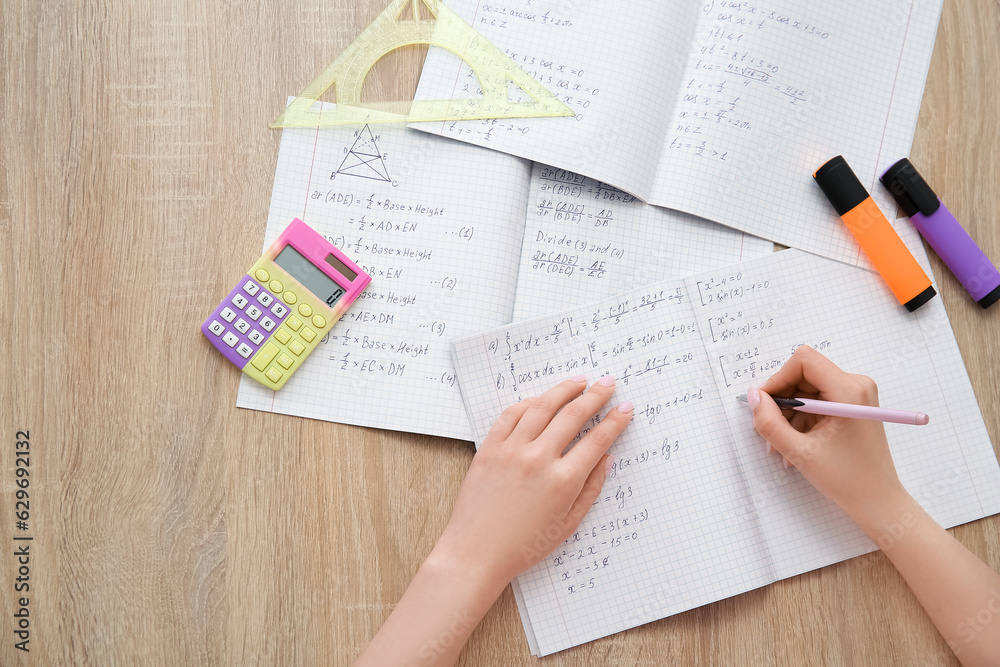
<point>586,342</point>
<point>737,83</point>
<point>744,319</point>
<point>580,560</point>
<point>413,238</point>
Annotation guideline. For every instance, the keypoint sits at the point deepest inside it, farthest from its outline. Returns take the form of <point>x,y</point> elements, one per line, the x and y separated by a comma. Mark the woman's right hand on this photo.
<point>847,460</point>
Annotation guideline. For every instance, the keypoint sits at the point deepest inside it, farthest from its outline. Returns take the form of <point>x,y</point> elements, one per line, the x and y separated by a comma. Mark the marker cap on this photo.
<point>920,299</point>
<point>989,299</point>
<point>840,185</point>
<point>909,189</point>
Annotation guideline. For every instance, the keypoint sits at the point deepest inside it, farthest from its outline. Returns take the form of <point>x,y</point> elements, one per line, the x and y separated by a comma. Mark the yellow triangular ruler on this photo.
<point>431,23</point>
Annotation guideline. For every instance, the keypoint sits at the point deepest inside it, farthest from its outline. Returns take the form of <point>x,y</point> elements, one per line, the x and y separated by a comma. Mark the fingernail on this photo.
<point>609,464</point>
<point>607,381</point>
<point>579,378</point>
<point>753,398</point>
<point>626,407</point>
<point>785,462</point>
<point>767,447</point>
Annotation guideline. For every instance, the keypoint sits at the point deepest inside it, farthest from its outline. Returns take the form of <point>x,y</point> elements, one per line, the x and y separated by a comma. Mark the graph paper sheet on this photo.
<point>439,225</point>
<point>584,240</point>
<point>719,109</point>
<point>694,510</point>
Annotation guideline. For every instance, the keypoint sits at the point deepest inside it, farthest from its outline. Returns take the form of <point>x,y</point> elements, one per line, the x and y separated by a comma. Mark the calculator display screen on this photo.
<point>311,277</point>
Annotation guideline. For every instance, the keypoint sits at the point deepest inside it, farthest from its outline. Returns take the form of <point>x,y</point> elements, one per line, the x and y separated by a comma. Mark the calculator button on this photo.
<point>262,275</point>
<point>267,323</point>
<point>217,328</point>
<point>244,350</point>
<point>265,356</point>
<point>305,310</point>
<point>296,347</point>
<point>256,337</point>
<point>228,314</point>
<point>285,360</point>
<point>265,299</point>
<point>273,374</point>
<point>253,312</point>
<point>308,335</point>
<point>242,325</point>
<point>250,287</point>
<point>279,310</point>
<point>319,321</point>
<point>294,323</point>
<point>289,297</point>
<point>276,286</point>
<point>230,339</point>
<point>282,336</point>
<point>239,301</point>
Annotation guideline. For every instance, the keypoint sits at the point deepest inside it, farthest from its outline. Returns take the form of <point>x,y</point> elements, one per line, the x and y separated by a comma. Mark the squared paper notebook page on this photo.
<point>706,512</point>
<point>838,78</point>
<point>584,240</point>
<point>618,67</point>
<point>766,94</point>
<point>751,319</point>
<point>438,224</point>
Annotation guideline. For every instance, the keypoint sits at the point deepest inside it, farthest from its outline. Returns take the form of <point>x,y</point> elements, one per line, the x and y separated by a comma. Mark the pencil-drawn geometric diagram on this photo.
<point>364,159</point>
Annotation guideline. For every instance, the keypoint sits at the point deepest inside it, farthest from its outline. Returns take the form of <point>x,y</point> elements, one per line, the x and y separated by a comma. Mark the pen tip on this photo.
<point>742,397</point>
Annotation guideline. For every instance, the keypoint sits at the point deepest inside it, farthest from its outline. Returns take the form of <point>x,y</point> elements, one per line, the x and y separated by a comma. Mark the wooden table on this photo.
<point>172,528</point>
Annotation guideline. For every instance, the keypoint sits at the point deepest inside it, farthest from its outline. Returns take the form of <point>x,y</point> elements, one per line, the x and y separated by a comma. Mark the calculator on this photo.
<point>280,310</point>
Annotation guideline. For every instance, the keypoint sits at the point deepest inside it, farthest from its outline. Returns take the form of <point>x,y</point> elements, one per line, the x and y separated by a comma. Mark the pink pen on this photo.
<point>832,409</point>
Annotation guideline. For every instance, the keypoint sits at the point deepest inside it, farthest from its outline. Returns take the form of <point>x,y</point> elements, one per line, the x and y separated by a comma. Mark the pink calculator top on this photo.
<point>320,254</point>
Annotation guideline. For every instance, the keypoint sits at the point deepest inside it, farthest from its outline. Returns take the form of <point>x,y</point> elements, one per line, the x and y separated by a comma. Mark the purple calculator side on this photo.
<point>244,321</point>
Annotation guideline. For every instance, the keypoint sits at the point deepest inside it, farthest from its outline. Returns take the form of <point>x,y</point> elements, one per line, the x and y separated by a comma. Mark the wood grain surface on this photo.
<point>170,527</point>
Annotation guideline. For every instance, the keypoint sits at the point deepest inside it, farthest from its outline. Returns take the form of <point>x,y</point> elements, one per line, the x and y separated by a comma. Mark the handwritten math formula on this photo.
<point>443,262</point>
<point>682,351</point>
<point>742,318</point>
<point>736,83</point>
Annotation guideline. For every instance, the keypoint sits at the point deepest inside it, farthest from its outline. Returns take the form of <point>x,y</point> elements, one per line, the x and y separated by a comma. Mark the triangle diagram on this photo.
<point>406,22</point>
<point>364,159</point>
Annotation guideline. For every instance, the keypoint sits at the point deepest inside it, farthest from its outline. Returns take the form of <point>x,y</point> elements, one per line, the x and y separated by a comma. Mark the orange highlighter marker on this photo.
<point>878,239</point>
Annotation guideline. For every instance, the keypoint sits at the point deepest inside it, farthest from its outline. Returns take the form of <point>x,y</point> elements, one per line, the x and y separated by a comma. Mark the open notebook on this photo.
<point>439,225</point>
<point>721,109</point>
<point>695,510</point>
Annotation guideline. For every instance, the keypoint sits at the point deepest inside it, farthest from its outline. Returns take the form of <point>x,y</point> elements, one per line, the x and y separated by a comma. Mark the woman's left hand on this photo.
<point>523,496</point>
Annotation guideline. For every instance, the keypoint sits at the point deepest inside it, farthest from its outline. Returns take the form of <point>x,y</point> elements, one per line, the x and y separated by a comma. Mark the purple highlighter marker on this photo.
<point>936,224</point>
